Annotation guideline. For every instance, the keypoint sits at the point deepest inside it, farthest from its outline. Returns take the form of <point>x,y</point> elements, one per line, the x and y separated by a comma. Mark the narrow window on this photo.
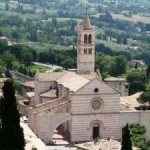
<point>90,39</point>
<point>85,50</point>
<point>90,50</point>
<point>85,39</point>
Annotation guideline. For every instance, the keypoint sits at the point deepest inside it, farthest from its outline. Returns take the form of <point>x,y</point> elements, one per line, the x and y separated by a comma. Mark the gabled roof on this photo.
<point>29,84</point>
<point>104,85</point>
<point>90,76</point>
<point>72,81</point>
<point>49,76</point>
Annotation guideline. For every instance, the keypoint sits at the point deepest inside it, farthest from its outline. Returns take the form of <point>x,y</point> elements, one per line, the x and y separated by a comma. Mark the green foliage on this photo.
<point>144,97</point>
<point>11,134</point>
<point>68,63</point>
<point>137,129</point>
<point>139,141</point>
<point>67,59</point>
<point>126,142</point>
<point>138,136</point>
<point>148,71</point>
<point>7,7</point>
<point>109,65</point>
<point>137,79</point>
<point>7,60</point>
<point>119,66</point>
<point>58,70</point>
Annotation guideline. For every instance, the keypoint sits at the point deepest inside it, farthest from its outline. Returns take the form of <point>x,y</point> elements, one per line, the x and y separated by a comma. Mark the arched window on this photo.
<point>90,39</point>
<point>85,50</point>
<point>85,39</point>
<point>90,51</point>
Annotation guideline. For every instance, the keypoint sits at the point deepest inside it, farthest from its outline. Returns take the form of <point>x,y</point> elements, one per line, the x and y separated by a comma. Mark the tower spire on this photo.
<point>86,21</point>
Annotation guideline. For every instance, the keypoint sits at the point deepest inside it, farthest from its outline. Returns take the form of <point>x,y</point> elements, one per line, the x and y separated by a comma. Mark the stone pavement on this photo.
<point>61,148</point>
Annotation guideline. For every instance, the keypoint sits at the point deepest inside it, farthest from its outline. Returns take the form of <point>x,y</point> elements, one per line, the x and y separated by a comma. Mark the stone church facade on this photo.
<point>83,104</point>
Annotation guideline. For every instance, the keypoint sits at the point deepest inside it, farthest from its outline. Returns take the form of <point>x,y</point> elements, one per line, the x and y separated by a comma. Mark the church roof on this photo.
<point>72,81</point>
<point>50,76</point>
<point>29,84</point>
<point>90,76</point>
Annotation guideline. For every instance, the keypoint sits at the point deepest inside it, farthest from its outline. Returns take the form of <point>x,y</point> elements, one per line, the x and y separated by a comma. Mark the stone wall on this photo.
<point>42,87</point>
<point>23,109</point>
<point>82,99</point>
<point>141,117</point>
<point>82,126</point>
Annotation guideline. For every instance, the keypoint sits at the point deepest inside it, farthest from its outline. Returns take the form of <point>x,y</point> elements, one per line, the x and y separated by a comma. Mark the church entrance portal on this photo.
<point>96,129</point>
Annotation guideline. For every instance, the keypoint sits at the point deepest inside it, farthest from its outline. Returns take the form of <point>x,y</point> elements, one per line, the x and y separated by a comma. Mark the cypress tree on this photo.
<point>126,141</point>
<point>11,134</point>
<point>148,71</point>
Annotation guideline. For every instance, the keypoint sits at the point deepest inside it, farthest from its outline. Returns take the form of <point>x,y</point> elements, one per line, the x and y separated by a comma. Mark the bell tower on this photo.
<point>85,46</point>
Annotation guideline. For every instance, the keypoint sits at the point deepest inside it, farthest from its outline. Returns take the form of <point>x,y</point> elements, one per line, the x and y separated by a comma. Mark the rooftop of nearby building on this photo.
<point>49,76</point>
<point>115,79</point>
<point>29,84</point>
<point>48,94</point>
<point>131,101</point>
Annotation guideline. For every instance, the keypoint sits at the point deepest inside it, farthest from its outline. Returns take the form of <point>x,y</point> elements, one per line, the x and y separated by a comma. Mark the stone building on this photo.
<point>119,84</point>
<point>80,103</point>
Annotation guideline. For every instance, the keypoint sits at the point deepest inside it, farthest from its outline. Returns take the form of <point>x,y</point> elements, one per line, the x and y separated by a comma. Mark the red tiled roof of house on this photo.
<point>29,84</point>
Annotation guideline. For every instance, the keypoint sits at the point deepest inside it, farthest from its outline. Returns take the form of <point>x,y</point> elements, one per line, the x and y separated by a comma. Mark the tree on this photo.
<point>138,136</point>
<point>148,71</point>
<point>137,79</point>
<point>7,7</point>
<point>136,65</point>
<point>27,58</point>
<point>68,63</point>
<point>119,66</point>
<point>145,97</point>
<point>7,60</point>
<point>11,133</point>
<point>126,141</point>
<point>15,35</point>
<point>54,22</point>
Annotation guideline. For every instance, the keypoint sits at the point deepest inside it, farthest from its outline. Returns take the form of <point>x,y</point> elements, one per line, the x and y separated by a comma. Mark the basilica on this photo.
<point>81,103</point>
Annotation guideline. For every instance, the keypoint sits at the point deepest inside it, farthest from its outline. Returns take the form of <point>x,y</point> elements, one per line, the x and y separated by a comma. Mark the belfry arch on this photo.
<point>90,39</point>
<point>85,39</point>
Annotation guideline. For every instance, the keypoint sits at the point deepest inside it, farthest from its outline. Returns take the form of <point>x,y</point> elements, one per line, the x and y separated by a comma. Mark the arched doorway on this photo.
<point>96,130</point>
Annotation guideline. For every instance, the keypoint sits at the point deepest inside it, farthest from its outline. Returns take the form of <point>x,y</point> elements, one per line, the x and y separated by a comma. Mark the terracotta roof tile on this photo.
<point>29,84</point>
